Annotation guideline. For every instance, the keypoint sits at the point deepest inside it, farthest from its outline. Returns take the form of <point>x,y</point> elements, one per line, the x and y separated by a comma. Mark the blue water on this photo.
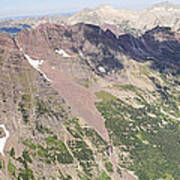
<point>14,30</point>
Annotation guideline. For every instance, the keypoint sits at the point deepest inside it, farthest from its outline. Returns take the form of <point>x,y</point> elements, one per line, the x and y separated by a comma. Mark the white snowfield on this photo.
<point>35,64</point>
<point>62,53</point>
<point>4,139</point>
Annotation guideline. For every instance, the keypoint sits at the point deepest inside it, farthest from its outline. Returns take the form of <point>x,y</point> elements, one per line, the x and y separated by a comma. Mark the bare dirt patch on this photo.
<point>80,99</point>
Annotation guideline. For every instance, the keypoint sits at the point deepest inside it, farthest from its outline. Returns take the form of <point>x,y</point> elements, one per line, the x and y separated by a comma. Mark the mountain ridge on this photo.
<point>126,20</point>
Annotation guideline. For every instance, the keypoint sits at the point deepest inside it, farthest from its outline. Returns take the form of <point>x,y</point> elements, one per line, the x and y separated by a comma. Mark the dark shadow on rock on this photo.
<point>159,45</point>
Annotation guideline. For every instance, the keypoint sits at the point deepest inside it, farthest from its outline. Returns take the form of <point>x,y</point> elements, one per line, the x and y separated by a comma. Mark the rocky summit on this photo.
<point>89,100</point>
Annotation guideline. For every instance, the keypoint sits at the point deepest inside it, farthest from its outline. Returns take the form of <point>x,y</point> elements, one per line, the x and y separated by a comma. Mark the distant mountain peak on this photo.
<point>105,6</point>
<point>166,5</point>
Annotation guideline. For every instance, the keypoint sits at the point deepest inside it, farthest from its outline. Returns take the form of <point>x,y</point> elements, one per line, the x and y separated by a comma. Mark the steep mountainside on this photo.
<point>80,102</point>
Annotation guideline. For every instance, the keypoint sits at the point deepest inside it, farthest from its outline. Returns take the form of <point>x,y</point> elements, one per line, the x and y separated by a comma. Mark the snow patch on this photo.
<point>62,53</point>
<point>101,69</point>
<point>35,64</point>
<point>81,54</point>
<point>4,139</point>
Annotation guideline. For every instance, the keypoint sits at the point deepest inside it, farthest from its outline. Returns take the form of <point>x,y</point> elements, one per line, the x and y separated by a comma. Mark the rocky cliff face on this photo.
<point>78,40</point>
<point>160,45</point>
<point>100,47</point>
